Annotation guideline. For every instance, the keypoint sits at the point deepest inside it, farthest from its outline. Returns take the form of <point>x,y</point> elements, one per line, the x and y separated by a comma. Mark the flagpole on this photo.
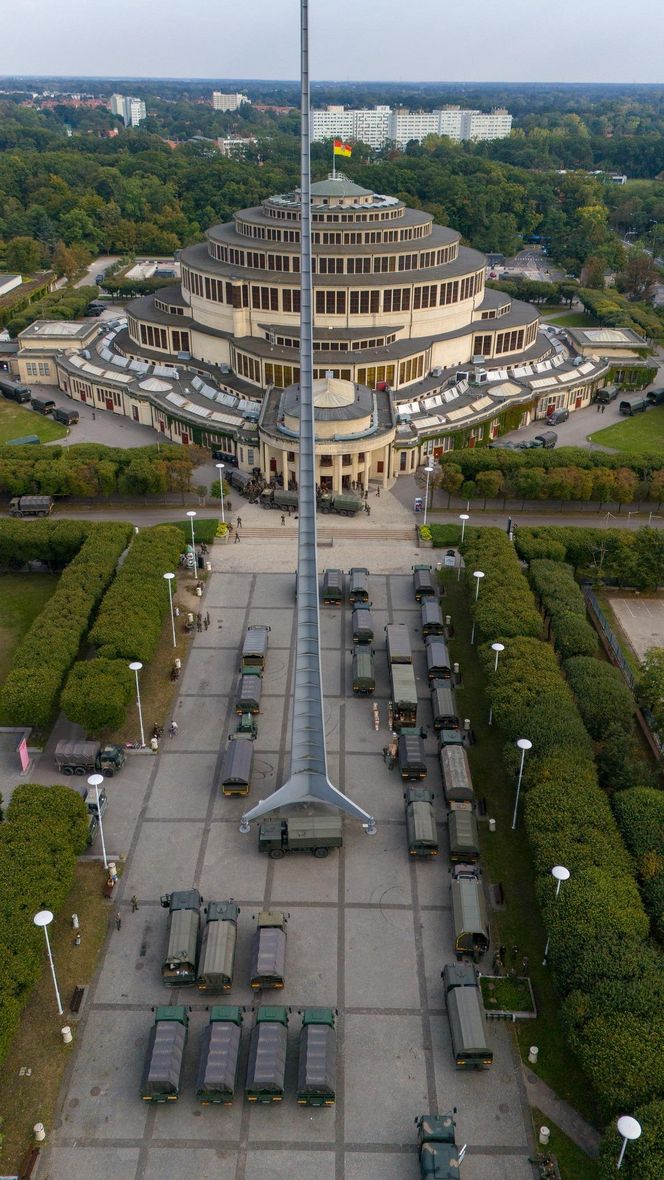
<point>334,162</point>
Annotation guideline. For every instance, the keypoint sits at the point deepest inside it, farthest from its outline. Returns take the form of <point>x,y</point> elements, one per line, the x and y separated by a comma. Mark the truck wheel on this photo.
<point>277,853</point>
<point>320,853</point>
<point>67,769</point>
<point>108,773</point>
<point>79,770</point>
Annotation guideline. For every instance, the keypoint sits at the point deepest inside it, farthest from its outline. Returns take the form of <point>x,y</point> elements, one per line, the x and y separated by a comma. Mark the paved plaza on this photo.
<point>642,620</point>
<point>369,928</point>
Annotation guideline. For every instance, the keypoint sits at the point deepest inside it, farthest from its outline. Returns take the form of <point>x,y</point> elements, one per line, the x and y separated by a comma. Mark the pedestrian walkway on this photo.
<point>561,1114</point>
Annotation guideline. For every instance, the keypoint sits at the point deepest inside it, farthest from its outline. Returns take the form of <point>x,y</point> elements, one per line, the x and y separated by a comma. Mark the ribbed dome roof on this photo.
<point>339,187</point>
<point>332,392</point>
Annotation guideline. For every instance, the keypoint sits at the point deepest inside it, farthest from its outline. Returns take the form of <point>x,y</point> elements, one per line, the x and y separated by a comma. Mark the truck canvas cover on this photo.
<point>443,705</point>
<point>239,479</point>
<point>248,696</point>
<point>332,586</point>
<point>363,626</point>
<point>317,1064</point>
<point>161,1074</point>
<point>364,681</point>
<point>218,947</point>
<point>471,927</point>
<point>466,1017</point>
<point>254,648</point>
<point>324,829</point>
<point>76,751</point>
<point>411,756</point>
<point>398,644</point>
<point>438,658</point>
<point>420,822</point>
<point>218,1061</point>
<point>267,1056</point>
<point>358,585</point>
<point>268,953</point>
<point>457,781</point>
<point>404,691</point>
<point>464,840</point>
<point>423,583</point>
<point>236,765</point>
<point>432,618</point>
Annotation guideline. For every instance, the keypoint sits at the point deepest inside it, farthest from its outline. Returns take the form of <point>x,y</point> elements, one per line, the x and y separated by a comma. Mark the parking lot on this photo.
<point>369,932</point>
<point>642,620</point>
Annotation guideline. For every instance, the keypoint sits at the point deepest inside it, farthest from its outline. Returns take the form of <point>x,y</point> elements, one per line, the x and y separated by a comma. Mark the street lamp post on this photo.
<point>191,514</point>
<point>429,471</point>
<point>523,745</point>
<point>478,575</point>
<point>136,666</point>
<point>220,469</point>
<point>44,919</point>
<point>463,517</point>
<point>497,647</point>
<point>561,874</point>
<point>629,1128</point>
<point>95,780</point>
<point>169,583</point>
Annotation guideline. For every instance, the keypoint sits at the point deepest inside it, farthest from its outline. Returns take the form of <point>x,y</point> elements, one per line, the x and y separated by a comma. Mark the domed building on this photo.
<point>404,331</point>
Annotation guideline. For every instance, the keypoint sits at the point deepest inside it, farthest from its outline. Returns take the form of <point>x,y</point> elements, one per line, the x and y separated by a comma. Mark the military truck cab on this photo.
<point>268,952</point>
<point>420,822</point>
<point>317,1060</point>
<point>358,584</point>
<point>163,1061</point>
<point>266,1067</point>
<point>217,958</point>
<point>219,1058</point>
<point>179,963</point>
<point>439,1156</point>
<point>313,833</point>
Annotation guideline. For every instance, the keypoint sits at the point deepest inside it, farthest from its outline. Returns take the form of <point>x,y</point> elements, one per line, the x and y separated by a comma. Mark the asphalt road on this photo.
<point>95,268</point>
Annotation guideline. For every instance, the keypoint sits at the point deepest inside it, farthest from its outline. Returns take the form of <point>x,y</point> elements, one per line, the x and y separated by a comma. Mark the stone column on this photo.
<point>284,468</point>
<point>336,473</point>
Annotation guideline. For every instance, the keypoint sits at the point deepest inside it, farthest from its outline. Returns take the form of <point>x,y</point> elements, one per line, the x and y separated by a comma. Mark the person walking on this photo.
<point>378,493</point>
<point>118,920</point>
<point>237,537</point>
<point>283,519</point>
<point>173,729</point>
<point>134,903</point>
<point>238,523</point>
<point>515,950</point>
<point>368,507</point>
<point>366,493</point>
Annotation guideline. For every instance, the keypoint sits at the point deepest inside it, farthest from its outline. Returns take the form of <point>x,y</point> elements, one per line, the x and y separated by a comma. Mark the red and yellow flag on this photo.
<point>341,148</point>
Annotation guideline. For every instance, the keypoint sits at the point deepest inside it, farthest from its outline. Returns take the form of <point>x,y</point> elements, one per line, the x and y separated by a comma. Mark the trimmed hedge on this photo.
<point>97,694</point>
<point>602,696</point>
<point>640,813</point>
<point>46,828</point>
<point>564,605</point>
<point>45,654</point>
<point>505,605</point>
<point>632,558</point>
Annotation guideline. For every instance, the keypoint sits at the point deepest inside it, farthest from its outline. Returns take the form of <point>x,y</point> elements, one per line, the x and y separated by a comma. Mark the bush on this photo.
<point>640,815</point>
<point>97,694</point>
<point>505,606</point>
<point>572,635</point>
<point>627,1066</point>
<point>602,696</point>
<point>563,603</point>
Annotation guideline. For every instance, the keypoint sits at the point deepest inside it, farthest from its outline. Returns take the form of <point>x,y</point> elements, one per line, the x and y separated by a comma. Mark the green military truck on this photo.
<point>95,813</point>
<point>439,1156</point>
<point>279,498</point>
<point>219,1057</point>
<point>317,1058</point>
<point>363,624</point>
<point>163,1061</point>
<point>266,1068</point>
<point>342,505</point>
<point>217,958</point>
<point>179,963</point>
<point>268,951</point>
<point>333,587</point>
<point>358,584</point>
<point>31,505</point>
<point>404,696</point>
<point>88,758</point>
<point>465,1013</point>
<point>309,833</point>
<point>254,648</point>
<point>364,676</point>
<point>423,583</point>
<point>420,822</point>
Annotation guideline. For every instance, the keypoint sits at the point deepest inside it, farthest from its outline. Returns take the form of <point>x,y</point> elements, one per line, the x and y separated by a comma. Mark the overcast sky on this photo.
<point>363,40</point>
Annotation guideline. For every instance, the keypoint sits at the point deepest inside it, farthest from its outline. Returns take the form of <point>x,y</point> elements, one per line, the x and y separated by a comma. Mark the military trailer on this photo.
<point>471,924</point>
<point>333,588</point>
<point>423,582</point>
<point>163,1061</point>
<point>410,754</point>
<point>420,822</point>
<point>219,1057</point>
<point>266,1067</point>
<point>363,625</point>
<point>443,705</point>
<point>463,837</point>
<point>254,648</point>
<point>88,757</point>
<point>465,1013</point>
<point>248,694</point>
<point>432,618</point>
<point>310,833</point>
<point>438,658</point>
<point>279,498</point>
<point>364,679</point>
<point>455,770</point>
<point>268,951</point>
<point>439,1156</point>
<point>236,764</point>
<point>217,957</point>
<point>404,696</point>
<point>179,964</point>
<point>358,584</point>
<point>31,506</point>
<point>342,505</point>
<point>317,1062</point>
<point>397,642</point>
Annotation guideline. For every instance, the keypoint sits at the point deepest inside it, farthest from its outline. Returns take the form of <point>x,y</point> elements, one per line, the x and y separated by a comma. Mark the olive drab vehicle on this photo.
<point>237,763</point>
<point>364,677</point>
<point>358,584</point>
<point>439,1155</point>
<point>410,756</point>
<point>254,648</point>
<point>457,779</point>
<point>424,585</point>
<point>333,588</point>
<point>420,822</point>
<point>163,1061</point>
<point>279,498</point>
<point>219,1058</point>
<point>266,1068</point>
<point>268,951</point>
<point>397,642</point>
<point>248,693</point>
<point>342,505</point>
<point>363,625</point>
<point>184,919</point>
<point>438,658</point>
<point>88,757</point>
<point>307,833</point>
<point>432,618</point>
<point>217,958</point>
<point>317,1058</point>
<point>469,914</point>
<point>463,836</point>
<point>404,696</point>
<point>465,1013</point>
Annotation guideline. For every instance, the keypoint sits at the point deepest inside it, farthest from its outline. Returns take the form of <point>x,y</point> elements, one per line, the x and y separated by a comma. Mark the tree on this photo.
<point>450,478</point>
<point>639,276</point>
<point>592,274</point>
<point>651,684</point>
<point>23,255</point>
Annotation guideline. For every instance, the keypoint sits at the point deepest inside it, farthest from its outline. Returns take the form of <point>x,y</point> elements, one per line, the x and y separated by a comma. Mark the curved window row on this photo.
<point>408,233</point>
<point>335,345</point>
<point>369,264</point>
<point>168,307</point>
<point>279,213</point>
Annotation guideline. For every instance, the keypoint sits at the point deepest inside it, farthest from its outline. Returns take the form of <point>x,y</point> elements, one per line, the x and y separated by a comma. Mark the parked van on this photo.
<point>219,1056</point>
<point>547,439</point>
<point>248,695</point>
<point>420,822</point>
<point>412,764</point>
<point>333,588</point>
<point>465,1013</point>
<point>397,642</point>
<point>363,625</point>
<point>423,583</point>
<point>607,395</point>
<point>217,958</point>
<point>655,397</point>
<point>471,924</point>
<point>15,391</point>
<point>237,764</point>
<point>438,658</point>
<point>443,705</point>
<point>66,417</point>
<point>463,837</point>
<point>358,585</point>
<point>628,409</point>
<point>364,680</point>
<point>432,618</point>
<point>254,648</point>
<point>457,781</point>
<point>555,417</point>
<point>42,405</point>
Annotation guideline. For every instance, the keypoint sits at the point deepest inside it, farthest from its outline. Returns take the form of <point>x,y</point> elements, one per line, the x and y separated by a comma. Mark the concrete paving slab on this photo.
<point>131,971</point>
<point>280,622</point>
<point>182,785</point>
<point>432,875</point>
<point>311,958</point>
<point>378,592</point>
<point>437,935</point>
<point>233,866</point>
<point>94,1163</point>
<point>402,595</point>
<point>333,671</point>
<point>642,620</point>
<point>331,627</point>
<point>500,1167</point>
<point>377,789</point>
<point>103,1095</point>
<point>303,877</point>
<point>273,591</point>
<point>205,1163</point>
<point>227,625</point>
<point>376,867</point>
<point>229,588</point>
<point>205,672</point>
<point>273,724</point>
<point>290,1165</point>
<point>201,722</point>
<point>360,1165</point>
<point>164,858</point>
<point>381,961</point>
<point>275,677</point>
<point>360,735</point>
<point>384,1057</point>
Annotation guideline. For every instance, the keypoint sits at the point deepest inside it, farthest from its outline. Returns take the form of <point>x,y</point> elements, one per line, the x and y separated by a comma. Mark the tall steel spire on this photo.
<point>308,781</point>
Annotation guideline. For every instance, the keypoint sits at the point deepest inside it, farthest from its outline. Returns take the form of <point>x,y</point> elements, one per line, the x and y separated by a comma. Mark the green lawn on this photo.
<point>572,319</point>
<point>22,597</point>
<point>506,858</point>
<point>574,1164</point>
<point>16,422</point>
<point>641,435</point>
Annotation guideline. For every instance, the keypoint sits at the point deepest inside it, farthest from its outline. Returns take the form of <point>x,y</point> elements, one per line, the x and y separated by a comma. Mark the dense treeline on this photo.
<point>91,469</point>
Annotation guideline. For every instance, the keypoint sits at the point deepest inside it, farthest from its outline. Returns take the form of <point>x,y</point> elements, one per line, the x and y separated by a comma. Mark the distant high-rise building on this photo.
<point>131,110</point>
<point>381,125</point>
<point>228,102</point>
